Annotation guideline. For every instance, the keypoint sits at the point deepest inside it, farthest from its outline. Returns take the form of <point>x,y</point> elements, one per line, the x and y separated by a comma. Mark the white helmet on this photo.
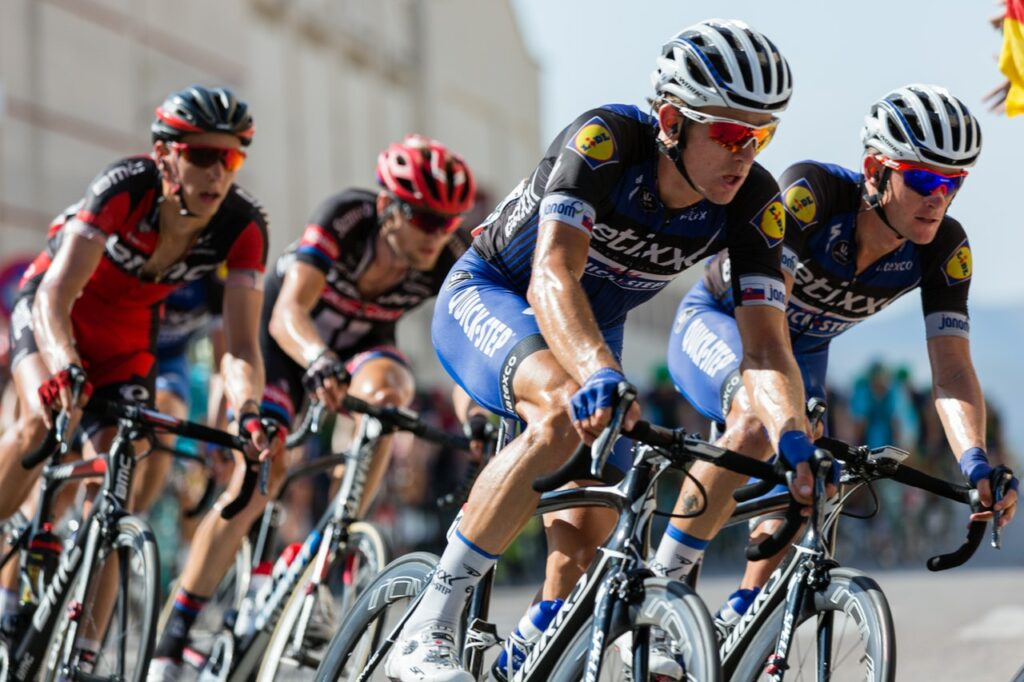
<point>725,63</point>
<point>923,124</point>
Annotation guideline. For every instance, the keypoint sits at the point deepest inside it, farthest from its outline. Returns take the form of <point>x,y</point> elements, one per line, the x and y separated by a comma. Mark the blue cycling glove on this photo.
<point>599,391</point>
<point>975,465</point>
<point>796,448</point>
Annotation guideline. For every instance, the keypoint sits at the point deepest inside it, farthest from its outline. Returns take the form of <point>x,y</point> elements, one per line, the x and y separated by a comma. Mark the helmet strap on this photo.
<point>874,201</point>
<point>675,155</point>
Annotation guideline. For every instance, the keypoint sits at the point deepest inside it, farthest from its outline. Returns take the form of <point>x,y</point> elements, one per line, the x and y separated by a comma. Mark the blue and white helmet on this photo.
<point>725,63</point>
<point>923,124</point>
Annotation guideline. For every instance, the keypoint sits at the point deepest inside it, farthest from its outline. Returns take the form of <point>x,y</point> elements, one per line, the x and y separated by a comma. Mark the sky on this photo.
<point>844,56</point>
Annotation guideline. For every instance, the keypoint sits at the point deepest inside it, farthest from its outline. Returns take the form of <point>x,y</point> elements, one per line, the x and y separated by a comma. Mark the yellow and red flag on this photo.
<point>1011,59</point>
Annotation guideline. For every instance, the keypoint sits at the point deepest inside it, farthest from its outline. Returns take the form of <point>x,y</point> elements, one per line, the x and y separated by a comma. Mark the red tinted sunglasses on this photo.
<point>429,222</point>
<point>923,180</point>
<point>732,134</point>
<point>204,156</point>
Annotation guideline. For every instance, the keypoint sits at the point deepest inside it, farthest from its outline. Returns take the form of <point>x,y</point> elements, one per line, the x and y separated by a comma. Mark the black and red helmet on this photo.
<point>197,109</point>
<point>426,175</point>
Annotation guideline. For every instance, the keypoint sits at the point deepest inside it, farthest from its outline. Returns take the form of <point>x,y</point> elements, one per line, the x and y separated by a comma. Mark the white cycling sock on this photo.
<point>677,553</point>
<point>462,566</point>
<point>8,602</point>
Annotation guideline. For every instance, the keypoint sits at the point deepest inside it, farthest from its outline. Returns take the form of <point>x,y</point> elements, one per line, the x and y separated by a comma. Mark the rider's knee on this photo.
<point>747,434</point>
<point>31,431</point>
<point>551,432</point>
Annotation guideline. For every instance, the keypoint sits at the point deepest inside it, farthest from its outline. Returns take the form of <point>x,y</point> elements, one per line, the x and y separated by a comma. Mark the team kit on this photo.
<point>529,312</point>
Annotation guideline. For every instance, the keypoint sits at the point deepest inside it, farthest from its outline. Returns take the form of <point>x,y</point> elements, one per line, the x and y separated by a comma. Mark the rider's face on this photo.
<point>715,170</point>
<point>914,216</point>
<point>420,249</point>
<point>204,188</point>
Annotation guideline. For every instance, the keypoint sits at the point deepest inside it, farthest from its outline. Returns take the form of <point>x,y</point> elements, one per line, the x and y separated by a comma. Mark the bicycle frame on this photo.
<point>110,505</point>
<point>322,545</point>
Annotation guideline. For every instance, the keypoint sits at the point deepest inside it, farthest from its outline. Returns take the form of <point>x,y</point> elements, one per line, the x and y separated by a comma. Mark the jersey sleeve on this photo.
<point>588,164</point>
<point>755,227</point>
<point>247,257</point>
<point>806,188</point>
<point>945,282</point>
<point>108,201</point>
<point>321,241</point>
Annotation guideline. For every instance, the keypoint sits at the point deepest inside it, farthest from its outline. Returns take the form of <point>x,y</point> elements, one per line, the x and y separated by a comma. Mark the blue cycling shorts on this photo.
<point>483,330</point>
<point>704,353</point>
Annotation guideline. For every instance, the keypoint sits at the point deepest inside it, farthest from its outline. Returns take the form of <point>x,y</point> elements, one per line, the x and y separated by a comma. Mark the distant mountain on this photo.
<point>896,336</point>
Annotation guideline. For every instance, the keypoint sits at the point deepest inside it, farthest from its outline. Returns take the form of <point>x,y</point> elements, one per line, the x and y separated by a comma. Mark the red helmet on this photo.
<point>424,174</point>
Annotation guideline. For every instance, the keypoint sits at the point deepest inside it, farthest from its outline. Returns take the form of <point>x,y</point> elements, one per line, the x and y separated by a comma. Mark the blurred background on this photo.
<point>331,82</point>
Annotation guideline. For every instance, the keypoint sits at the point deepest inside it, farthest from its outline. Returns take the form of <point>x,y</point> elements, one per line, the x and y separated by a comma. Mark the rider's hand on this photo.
<point>797,450</point>
<point>328,379</point>
<point>261,446</point>
<point>479,430</point>
<point>975,466</point>
<point>57,394</point>
<point>591,406</point>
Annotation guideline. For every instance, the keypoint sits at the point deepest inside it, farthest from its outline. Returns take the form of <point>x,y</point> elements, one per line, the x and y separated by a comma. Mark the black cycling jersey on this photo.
<point>828,296</point>
<point>341,240</point>
<point>600,176</point>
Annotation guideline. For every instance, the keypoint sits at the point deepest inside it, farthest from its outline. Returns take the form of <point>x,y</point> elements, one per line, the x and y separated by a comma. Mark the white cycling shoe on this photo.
<point>427,655</point>
<point>660,661</point>
<point>163,670</point>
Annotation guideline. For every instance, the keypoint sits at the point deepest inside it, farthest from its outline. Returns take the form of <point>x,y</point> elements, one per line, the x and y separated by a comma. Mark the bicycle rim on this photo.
<point>127,645</point>
<point>314,613</point>
<point>374,616</point>
<point>863,646</point>
<point>668,605</point>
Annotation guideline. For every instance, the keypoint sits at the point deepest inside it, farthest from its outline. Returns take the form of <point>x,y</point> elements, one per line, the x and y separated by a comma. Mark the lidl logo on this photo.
<point>594,142</point>
<point>958,267</point>
<point>772,222</point>
<point>800,203</point>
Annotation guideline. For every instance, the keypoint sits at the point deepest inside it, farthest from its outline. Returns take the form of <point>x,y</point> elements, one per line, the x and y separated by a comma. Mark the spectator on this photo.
<point>1008,97</point>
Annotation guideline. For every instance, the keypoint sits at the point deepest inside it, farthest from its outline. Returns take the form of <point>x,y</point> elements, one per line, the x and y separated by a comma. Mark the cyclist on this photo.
<point>364,260</point>
<point>530,320</point>
<point>857,242</point>
<point>88,305</point>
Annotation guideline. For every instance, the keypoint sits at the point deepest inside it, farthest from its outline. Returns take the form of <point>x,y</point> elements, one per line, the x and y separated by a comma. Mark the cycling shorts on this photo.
<point>173,376</point>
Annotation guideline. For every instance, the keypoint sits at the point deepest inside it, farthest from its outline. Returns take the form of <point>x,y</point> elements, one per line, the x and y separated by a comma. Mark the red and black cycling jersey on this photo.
<point>820,252</point>
<point>114,320</point>
<point>341,241</point>
<point>600,176</point>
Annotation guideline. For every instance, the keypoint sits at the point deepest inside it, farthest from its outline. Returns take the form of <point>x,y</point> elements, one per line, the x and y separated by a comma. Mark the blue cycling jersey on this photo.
<point>600,176</point>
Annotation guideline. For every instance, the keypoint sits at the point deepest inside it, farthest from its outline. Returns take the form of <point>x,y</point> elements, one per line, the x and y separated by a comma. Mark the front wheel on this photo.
<point>373,617</point>
<point>316,608</point>
<point>123,590</point>
<point>670,607</point>
<point>855,619</point>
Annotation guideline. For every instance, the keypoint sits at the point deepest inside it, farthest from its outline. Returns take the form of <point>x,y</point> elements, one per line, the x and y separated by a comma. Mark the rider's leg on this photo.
<point>502,499</point>
<point>213,551</point>
<point>684,540</point>
<point>25,434</point>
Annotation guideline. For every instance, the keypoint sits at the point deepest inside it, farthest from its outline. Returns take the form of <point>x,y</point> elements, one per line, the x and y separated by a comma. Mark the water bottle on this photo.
<point>245,619</point>
<point>538,617</point>
<point>44,548</point>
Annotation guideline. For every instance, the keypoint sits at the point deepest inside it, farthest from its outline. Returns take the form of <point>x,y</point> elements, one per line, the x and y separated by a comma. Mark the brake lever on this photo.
<point>602,447</point>
<point>1000,482</point>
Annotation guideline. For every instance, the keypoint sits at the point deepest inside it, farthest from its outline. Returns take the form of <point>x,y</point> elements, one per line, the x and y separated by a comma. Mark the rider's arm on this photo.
<point>291,323</point>
<point>957,392</point>
<point>560,305</point>
<point>242,364</point>
<point>76,260</point>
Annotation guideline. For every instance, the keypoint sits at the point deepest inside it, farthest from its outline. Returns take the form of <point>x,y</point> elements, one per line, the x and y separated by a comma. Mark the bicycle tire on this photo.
<point>669,605</point>
<point>852,594</point>
<point>137,549</point>
<point>334,597</point>
<point>400,582</point>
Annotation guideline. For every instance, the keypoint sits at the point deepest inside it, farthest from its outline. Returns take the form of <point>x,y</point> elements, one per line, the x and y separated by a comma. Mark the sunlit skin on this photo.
<point>419,250</point>
<point>716,171</point>
<point>204,189</point>
<point>915,217</point>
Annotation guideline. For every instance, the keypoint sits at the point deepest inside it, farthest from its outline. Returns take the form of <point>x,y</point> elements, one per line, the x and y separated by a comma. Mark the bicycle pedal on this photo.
<point>481,634</point>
